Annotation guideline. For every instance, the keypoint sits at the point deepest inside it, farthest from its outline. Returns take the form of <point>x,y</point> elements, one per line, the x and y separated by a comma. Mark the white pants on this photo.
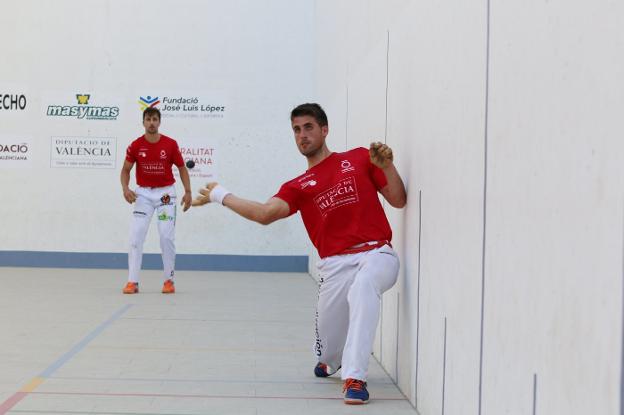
<point>350,289</point>
<point>163,201</point>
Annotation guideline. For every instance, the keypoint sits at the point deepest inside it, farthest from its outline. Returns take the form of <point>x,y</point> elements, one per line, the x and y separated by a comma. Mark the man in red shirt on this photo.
<point>339,205</point>
<point>154,154</point>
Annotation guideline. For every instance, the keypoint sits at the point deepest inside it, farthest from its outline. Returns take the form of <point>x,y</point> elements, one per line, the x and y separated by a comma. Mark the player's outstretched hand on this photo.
<point>129,195</point>
<point>380,155</point>
<point>204,196</point>
<point>186,201</point>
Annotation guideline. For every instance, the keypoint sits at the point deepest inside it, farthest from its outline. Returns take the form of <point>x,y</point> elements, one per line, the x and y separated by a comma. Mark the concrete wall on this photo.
<point>505,118</point>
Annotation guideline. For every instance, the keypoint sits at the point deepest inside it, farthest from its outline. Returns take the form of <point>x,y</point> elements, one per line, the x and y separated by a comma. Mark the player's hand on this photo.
<point>186,201</point>
<point>380,155</point>
<point>204,196</point>
<point>129,195</point>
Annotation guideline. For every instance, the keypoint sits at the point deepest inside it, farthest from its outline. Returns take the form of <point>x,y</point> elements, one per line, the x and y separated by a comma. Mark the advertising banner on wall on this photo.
<point>15,152</point>
<point>12,101</point>
<point>83,152</point>
<point>199,156</point>
<point>80,106</point>
<point>204,105</point>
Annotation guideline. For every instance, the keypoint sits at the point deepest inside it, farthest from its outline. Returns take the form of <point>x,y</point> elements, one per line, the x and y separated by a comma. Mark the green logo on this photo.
<point>163,216</point>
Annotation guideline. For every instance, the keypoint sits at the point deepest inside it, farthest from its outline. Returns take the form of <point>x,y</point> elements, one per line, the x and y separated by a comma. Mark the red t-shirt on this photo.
<point>154,160</point>
<point>338,201</point>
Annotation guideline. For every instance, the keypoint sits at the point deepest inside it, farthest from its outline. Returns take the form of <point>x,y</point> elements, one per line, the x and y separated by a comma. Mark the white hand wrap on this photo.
<point>218,193</point>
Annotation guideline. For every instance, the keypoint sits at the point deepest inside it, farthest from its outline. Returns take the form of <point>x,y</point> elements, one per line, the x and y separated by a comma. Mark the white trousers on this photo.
<point>162,200</point>
<point>350,289</point>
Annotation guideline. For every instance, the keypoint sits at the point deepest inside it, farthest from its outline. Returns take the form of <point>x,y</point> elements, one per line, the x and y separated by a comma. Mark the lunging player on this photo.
<point>339,205</point>
<point>154,154</point>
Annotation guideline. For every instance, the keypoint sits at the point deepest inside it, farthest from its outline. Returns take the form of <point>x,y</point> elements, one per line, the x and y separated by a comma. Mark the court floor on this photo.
<point>225,343</point>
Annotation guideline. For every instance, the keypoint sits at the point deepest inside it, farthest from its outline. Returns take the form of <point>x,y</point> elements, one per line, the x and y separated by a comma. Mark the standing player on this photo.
<point>154,154</point>
<point>339,205</point>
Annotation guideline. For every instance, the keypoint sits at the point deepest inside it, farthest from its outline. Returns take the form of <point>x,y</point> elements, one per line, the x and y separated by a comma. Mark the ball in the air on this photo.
<point>190,164</point>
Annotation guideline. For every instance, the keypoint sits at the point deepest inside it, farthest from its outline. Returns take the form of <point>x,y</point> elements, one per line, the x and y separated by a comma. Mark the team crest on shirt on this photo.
<point>346,166</point>
<point>163,154</point>
<point>165,199</point>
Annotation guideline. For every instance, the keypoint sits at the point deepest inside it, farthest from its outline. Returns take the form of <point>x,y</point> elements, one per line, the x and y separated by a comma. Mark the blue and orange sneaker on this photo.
<point>355,392</point>
<point>321,370</point>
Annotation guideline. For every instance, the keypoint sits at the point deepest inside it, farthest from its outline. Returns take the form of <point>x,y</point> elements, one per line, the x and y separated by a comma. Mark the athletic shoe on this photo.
<point>321,370</point>
<point>355,392</point>
<point>168,287</point>
<point>131,288</point>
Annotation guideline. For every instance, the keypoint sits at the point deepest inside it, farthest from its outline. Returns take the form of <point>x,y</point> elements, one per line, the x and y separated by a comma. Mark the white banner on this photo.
<point>83,152</point>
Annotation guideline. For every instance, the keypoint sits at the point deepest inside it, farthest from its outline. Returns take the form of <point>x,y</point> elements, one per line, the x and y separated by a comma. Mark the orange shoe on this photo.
<point>131,288</point>
<point>168,287</point>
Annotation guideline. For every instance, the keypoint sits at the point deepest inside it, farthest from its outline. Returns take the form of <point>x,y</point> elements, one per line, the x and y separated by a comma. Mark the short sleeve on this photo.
<point>130,154</point>
<point>177,156</point>
<point>289,195</point>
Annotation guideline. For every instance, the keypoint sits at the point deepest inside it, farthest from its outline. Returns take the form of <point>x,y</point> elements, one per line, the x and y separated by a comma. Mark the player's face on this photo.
<point>151,123</point>
<point>309,135</point>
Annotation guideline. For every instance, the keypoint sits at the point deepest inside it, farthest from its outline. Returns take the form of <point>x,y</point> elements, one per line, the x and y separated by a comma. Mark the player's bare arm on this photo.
<point>394,192</point>
<point>187,199</point>
<point>128,194</point>
<point>263,213</point>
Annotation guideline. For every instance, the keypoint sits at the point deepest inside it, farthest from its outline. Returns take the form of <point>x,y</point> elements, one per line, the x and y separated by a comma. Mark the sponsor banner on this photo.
<point>199,105</point>
<point>80,106</point>
<point>15,152</point>
<point>83,152</point>
<point>12,101</point>
<point>199,157</point>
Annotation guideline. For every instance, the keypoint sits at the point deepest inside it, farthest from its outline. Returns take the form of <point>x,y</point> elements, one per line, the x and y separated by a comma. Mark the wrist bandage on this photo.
<point>218,193</point>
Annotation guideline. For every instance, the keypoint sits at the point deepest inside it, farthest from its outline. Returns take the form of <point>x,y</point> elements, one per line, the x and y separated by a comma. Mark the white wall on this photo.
<point>537,225</point>
<point>246,55</point>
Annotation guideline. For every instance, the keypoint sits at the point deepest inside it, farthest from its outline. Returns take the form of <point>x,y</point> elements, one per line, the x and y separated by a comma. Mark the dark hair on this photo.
<point>311,109</point>
<point>151,111</point>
